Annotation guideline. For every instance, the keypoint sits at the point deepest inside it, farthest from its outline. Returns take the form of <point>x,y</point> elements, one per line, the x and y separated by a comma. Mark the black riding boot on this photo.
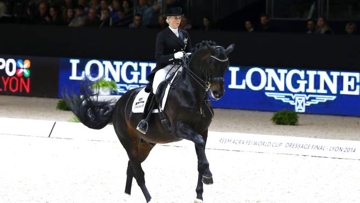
<point>148,87</point>
<point>143,124</point>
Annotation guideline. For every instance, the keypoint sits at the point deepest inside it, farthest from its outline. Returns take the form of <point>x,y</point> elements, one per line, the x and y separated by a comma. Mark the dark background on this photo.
<point>288,50</point>
<point>291,50</point>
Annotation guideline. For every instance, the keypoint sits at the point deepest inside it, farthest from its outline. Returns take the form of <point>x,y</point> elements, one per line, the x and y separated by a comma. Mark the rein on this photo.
<point>221,60</point>
<point>205,84</point>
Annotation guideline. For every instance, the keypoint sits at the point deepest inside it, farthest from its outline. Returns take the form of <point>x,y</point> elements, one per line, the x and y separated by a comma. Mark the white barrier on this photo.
<point>26,127</point>
<point>78,131</point>
<point>216,140</point>
<point>285,145</point>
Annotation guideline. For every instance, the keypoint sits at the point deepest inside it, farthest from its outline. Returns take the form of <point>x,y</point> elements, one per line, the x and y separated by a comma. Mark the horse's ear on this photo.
<point>229,49</point>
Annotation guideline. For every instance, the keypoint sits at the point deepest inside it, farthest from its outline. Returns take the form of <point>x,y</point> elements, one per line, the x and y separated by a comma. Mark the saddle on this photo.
<point>156,104</point>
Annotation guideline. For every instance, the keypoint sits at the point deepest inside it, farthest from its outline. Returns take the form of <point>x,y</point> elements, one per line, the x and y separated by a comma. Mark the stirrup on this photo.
<point>142,127</point>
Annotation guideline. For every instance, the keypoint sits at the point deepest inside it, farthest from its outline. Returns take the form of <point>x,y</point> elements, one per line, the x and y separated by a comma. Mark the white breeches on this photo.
<point>163,74</point>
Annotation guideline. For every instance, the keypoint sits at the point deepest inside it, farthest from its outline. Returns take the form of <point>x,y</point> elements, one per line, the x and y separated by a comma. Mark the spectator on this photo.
<point>68,3</point>
<point>69,15</point>
<point>137,22</point>
<point>310,26</point>
<point>208,24</point>
<point>127,6</point>
<point>95,4</point>
<point>106,20</point>
<point>161,23</point>
<point>156,5</point>
<point>114,9</point>
<point>323,26</point>
<point>265,24</point>
<point>84,4</point>
<point>185,23</point>
<point>92,20</point>
<point>249,26</point>
<point>350,28</point>
<point>145,10</point>
<point>128,10</point>
<point>41,14</point>
<point>103,5</point>
<point>122,20</point>
<point>79,19</point>
<point>54,18</point>
<point>65,7</point>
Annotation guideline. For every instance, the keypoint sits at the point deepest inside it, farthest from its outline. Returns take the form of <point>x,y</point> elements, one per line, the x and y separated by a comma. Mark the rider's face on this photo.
<point>174,21</point>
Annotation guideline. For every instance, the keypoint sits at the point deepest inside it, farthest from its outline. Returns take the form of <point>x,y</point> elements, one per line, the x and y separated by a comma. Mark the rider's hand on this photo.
<point>179,55</point>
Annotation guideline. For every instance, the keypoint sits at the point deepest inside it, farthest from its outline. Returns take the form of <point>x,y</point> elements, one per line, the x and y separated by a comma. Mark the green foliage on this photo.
<point>105,82</point>
<point>75,119</point>
<point>61,105</point>
<point>285,117</point>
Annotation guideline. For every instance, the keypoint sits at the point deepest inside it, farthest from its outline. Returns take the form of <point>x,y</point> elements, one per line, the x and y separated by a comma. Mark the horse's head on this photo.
<point>210,62</point>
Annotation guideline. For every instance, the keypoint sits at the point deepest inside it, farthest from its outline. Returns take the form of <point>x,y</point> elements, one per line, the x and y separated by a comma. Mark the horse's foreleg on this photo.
<point>205,175</point>
<point>201,178</point>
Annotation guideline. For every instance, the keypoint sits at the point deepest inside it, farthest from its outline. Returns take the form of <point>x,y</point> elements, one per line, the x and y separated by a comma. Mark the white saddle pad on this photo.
<point>138,105</point>
<point>140,100</point>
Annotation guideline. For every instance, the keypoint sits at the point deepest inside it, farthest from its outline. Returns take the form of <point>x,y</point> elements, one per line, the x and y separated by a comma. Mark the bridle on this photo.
<point>205,84</point>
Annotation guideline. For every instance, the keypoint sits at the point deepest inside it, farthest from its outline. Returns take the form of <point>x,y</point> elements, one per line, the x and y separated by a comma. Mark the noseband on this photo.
<point>206,84</point>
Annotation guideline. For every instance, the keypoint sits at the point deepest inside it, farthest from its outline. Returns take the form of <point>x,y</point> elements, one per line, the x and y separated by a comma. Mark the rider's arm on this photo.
<point>159,50</point>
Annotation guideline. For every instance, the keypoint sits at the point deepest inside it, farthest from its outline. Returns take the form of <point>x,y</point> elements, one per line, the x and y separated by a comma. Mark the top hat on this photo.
<point>174,11</point>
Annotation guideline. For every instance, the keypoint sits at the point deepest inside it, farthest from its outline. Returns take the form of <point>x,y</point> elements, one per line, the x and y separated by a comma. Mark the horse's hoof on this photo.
<point>198,201</point>
<point>126,198</point>
<point>207,180</point>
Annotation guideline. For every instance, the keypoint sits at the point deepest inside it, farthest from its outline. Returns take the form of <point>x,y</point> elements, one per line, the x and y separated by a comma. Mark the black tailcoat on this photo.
<point>167,43</point>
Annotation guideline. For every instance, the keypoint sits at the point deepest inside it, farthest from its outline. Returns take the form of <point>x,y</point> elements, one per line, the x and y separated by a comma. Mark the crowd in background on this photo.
<point>129,14</point>
<point>89,13</point>
<point>318,26</point>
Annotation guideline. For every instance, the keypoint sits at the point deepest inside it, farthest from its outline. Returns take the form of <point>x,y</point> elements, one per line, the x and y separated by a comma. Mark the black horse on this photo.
<point>189,113</point>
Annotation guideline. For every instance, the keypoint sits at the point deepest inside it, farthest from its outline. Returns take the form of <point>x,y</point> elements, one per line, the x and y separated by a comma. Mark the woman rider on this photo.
<point>171,44</point>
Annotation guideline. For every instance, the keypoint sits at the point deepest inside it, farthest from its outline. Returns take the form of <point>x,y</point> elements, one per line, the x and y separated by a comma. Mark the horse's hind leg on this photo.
<point>129,178</point>
<point>137,153</point>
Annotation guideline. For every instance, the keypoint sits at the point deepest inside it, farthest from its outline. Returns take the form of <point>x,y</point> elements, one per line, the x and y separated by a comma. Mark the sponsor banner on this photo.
<point>15,75</point>
<point>284,145</point>
<point>28,75</point>
<point>301,90</point>
<point>247,88</point>
<point>127,74</point>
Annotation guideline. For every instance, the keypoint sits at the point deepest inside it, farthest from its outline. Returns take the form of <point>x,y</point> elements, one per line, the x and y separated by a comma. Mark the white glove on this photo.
<point>179,55</point>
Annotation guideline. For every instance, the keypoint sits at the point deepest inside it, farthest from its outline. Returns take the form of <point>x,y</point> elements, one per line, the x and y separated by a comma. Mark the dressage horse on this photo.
<point>188,110</point>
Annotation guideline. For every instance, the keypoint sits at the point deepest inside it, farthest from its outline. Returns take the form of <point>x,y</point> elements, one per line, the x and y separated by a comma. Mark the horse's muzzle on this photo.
<point>216,94</point>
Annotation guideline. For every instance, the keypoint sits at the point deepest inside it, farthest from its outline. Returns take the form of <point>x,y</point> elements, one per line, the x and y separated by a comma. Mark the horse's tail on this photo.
<point>89,110</point>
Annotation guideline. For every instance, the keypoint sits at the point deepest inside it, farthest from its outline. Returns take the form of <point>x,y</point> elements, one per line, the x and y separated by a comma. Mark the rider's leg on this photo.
<point>143,124</point>
<point>158,78</point>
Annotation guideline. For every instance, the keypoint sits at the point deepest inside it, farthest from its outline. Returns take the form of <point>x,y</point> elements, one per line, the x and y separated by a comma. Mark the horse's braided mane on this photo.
<point>203,43</point>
